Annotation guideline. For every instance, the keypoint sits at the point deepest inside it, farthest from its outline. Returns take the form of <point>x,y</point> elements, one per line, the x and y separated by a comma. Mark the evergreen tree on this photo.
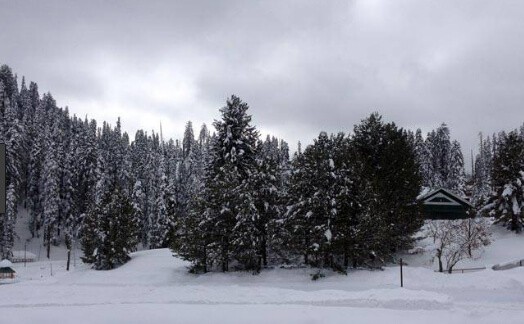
<point>507,201</point>
<point>268,197</point>
<point>111,232</point>
<point>482,172</point>
<point>312,213</point>
<point>457,178</point>
<point>189,140</point>
<point>423,158</point>
<point>228,202</point>
<point>160,220</point>
<point>50,194</point>
<point>7,223</point>
<point>441,161</point>
<point>390,173</point>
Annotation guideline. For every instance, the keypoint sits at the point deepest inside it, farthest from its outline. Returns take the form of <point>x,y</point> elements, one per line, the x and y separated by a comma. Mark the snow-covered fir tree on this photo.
<point>110,231</point>
<point>482,172</point>
<point>507,200</point>
<point>391,182</point>
<point>441,161</point>
<point>7,223</point>
<point>457,177</point>
<point>268,197</point>
<point>228,204</point>
<point>160,221</point>
<point>50,192</point>
<point>312,211</point>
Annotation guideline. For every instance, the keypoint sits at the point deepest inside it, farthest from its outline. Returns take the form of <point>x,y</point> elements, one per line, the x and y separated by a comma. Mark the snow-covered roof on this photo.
<point>446,192</point>
<point>5,264</point>
<point>423,192</point>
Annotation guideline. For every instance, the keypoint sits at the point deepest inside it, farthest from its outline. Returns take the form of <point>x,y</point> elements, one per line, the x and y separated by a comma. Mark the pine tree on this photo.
<point>50,194</point>
<point>7,224</point>
<point>507,201</point>
<point>141,163</point>
<point>160,221</point>
<point>456,178</point>
<point>189,140</point>
<point>138,201</point>
<point>228,202</point>
<point>423,158</point>
<point>191,235</point>
<point>441,161</point>
<point>110,231</point>
<point>391,177</point>
<point>268,197</point>
<point>311,216</point>
<point>36,157</point>
<point>482,172</point>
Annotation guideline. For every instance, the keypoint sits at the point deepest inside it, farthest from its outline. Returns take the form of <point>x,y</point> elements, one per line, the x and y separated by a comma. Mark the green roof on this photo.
<point>7,270</point>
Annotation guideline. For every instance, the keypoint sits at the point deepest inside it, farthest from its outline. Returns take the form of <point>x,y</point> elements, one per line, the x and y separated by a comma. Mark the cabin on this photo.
<point>6,270</point>
<point>443,204</point>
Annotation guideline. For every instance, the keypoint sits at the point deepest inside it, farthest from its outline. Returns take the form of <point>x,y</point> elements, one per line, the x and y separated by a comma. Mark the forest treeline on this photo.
<point>226,199</point>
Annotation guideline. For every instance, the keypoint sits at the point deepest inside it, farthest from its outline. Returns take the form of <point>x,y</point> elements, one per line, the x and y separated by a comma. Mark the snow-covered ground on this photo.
<point>154,287</point>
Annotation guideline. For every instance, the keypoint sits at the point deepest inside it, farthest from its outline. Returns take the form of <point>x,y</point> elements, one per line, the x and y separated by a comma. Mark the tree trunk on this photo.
<point>225,249</point>
<point>68,259</point>
<point>47,240</point>
<point>264,251</point>
<point>440,267</point>
<point>204,259</point>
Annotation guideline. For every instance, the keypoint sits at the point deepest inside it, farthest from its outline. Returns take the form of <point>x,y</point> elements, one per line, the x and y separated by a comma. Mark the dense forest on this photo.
<point>227,199</point>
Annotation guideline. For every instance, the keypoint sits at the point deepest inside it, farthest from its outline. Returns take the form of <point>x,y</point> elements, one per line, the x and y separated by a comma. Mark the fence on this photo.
<point>508,265</point>
<point>462,270</point>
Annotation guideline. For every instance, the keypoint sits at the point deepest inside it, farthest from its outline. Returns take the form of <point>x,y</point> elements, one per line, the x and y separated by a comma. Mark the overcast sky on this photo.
<point>302,66</point>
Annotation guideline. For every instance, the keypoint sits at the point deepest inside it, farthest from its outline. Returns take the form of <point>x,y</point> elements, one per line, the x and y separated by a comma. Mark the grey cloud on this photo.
<point>303,66</point>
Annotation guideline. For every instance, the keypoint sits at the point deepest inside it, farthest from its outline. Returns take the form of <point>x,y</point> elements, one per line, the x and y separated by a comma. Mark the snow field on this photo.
<point>154,287</point>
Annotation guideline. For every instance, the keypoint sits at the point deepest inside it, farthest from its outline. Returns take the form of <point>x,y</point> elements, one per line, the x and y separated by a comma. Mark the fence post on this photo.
<point>401,274</point>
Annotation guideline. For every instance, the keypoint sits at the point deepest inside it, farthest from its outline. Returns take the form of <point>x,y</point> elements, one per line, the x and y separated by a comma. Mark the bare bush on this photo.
<point>456,240</point>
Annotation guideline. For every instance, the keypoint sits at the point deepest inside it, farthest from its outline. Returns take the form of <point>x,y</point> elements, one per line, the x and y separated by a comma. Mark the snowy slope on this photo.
<point>24,241</point>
